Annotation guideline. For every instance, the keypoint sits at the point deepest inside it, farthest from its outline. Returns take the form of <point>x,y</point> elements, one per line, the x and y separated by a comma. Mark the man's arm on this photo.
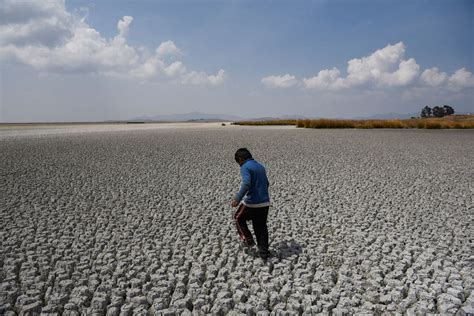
<point>245,184</point>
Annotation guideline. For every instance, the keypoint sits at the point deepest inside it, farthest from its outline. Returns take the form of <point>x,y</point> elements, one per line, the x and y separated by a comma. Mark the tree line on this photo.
<point>437,111</point>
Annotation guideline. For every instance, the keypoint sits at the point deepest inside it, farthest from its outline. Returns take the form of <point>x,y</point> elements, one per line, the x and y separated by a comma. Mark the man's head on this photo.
<point>241,155</point>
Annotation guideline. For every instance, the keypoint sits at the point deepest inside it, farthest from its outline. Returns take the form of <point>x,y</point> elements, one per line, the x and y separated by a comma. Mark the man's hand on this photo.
<point>234,203</point>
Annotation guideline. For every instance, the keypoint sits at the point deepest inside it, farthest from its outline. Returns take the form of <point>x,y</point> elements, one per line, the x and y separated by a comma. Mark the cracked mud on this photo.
<point>138,222</point>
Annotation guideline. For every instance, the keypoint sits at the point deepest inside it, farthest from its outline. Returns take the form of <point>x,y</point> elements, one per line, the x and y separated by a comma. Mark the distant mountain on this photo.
<point>199,116</point>
<point>192,116</point>
<point>274,118</point>
<point>293,117</point>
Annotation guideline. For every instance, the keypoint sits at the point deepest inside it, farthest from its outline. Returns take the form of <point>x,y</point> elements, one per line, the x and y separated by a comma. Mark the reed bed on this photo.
<point>466,122</point>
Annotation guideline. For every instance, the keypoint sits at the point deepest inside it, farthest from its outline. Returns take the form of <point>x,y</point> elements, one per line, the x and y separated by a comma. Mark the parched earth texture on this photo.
<point>138,222</point>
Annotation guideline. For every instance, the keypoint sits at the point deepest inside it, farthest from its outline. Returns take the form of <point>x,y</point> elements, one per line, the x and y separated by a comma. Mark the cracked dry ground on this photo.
<point>139,223</point>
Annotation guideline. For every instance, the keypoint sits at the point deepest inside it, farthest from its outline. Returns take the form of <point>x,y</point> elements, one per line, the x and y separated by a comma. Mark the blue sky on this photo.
<point>397,45</point>
<point>281,36</point>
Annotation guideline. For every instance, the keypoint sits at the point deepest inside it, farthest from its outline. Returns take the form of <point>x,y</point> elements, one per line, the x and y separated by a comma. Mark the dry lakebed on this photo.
<point>135,219</point>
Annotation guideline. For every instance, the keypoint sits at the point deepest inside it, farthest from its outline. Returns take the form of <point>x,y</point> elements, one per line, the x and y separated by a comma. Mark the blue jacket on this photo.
<point>254,187</point>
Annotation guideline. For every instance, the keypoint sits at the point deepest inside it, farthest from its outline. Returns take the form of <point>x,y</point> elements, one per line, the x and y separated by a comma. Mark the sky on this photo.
<point>118,60</point>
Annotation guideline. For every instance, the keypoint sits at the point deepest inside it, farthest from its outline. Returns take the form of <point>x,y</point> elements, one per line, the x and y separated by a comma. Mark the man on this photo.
<point>253,202</point>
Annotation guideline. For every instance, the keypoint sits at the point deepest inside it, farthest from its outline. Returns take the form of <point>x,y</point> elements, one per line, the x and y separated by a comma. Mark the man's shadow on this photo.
<point>287,248</point>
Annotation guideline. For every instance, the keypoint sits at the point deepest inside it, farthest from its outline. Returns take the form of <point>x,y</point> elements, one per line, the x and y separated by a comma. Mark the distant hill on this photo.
<point>274,118</point>
<point>208,117</point>
<point>192,116</point>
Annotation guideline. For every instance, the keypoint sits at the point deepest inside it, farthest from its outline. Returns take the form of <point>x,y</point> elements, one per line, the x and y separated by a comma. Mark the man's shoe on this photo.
<point>264,255</point>
<point>247,249</point>
<point>251,251</point>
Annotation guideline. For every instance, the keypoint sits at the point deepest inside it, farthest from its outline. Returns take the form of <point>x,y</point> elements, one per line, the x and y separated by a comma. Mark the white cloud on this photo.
<point>325,79</point>
<point>433,77</point>
<point>200,78</point>
<point>21,11</point>
<point>45,36</point>
<point>406,73</point>
<point>34,22</point>
<point>284,81</point>
<point>123,25</point>
<point>149,69</point>
<point>384,68</point>
<point>168,48</point>
<point>462,78</point>
<point>176,68</point>
<point>218,78</point>
<point>372,68</point>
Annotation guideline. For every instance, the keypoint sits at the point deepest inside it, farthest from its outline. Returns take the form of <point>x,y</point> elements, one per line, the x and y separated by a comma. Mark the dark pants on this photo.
<point>258,216</point>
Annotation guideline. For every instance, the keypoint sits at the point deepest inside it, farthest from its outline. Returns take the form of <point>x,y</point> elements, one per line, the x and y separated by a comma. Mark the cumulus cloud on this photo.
<point>284,81</point>
<point>406,73</point>
<point>372,68</point>
<point>198,78</point>
<point>176,68</point>
<point>461,79</point>
<point>34,22</point>
<point>218,78</point>
<point>433,77</point>
<point>168,48</point>
<point>45,36</point>
<point>384,68</point>
<point>325,79</point>
<point>123,26</point>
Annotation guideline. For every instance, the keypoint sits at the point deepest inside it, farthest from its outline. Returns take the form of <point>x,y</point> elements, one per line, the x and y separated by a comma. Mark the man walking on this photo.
<point>253,202</point>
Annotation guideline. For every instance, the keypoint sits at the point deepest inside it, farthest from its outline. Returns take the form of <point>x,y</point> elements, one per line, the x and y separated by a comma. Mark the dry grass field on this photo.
<point>452,121</point>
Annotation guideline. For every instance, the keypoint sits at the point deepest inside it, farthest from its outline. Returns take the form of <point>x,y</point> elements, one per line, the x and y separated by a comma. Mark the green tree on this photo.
<point>438,111</point>
<point>426,112</point>
<point>448,110</point>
